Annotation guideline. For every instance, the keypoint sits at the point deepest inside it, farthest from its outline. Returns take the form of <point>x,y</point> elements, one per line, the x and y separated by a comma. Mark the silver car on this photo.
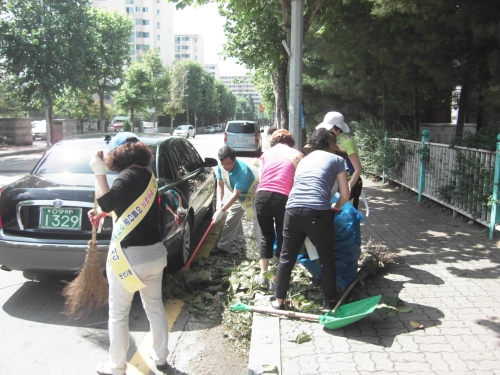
<point>185,131</point>
<point>243,136</point>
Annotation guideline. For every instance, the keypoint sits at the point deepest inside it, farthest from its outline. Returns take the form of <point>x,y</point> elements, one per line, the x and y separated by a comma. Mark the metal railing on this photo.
<point>437,171</point>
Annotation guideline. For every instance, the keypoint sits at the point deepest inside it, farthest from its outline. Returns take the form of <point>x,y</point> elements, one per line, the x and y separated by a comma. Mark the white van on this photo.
<point>39,129</point>
<point>243,135</point>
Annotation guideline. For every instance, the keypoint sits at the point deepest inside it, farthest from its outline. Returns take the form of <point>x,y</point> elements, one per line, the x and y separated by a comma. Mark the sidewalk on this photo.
<point>38,146</point>
<point>447,271</point>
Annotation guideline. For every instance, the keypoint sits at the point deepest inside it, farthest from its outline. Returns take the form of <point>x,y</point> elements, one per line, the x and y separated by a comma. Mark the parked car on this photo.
<point>39,129</point>
<point>43,216</point>
<point>185,131</point>
<point>217,127</point>
<point>209,129</point>
<point>243,136</point>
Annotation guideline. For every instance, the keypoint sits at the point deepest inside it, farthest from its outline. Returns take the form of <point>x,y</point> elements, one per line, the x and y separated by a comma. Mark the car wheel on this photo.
<point>194,135</point>
<point>182,256</point>
<point>187,135</point>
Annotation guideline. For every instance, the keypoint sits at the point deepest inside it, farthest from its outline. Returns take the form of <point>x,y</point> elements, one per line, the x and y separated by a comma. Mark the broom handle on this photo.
<point>290,314</point>
<point>94,231</point>
<point>348,290</point>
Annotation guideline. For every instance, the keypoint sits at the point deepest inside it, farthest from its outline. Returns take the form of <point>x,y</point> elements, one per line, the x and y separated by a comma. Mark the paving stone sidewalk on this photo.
<point>447,271</point>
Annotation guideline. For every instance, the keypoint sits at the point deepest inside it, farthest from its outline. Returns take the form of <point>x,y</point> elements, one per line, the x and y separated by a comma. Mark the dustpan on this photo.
<point>350,313</point>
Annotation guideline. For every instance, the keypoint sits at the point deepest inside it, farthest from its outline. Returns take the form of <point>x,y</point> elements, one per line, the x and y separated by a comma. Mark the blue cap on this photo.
<point>121,138</point>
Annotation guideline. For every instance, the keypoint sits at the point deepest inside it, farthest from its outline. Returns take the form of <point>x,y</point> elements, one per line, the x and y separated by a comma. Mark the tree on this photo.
<point>244,16</point>
<point>226,108</point>
<point>132,96</point>
<point>45,45</point>
<point>159,81</point>
<point>251,107</point>
<point>208,104</point>
<point>110,54</point>
<point>177,92</point>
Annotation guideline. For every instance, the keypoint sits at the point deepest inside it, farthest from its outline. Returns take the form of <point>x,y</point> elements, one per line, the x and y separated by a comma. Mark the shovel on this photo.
<point>336,318</point>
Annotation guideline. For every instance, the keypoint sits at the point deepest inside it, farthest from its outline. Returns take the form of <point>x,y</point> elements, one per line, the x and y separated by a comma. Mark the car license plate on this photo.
<point>60,218</point>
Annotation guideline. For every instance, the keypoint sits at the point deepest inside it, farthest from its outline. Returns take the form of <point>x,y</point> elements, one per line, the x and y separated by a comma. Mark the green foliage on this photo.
<point>369,136</point>
<point>483,140</point>
<point>470,184</point>
<point>109,54</point>
<point>45,45</point>
<point>127,126</point>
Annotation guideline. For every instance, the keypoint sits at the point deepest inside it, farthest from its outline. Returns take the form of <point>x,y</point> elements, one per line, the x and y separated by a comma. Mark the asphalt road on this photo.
<point>36,337</point>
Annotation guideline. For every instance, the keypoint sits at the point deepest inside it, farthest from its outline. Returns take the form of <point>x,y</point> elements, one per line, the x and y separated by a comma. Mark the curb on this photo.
<point>265,345</point>
<point>21,152</point>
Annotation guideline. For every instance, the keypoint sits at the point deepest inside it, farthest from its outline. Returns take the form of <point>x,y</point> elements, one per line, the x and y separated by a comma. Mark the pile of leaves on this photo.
<point>214,284</point>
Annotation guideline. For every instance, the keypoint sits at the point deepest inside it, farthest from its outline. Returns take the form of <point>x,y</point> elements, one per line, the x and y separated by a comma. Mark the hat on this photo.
<point>334,119</point>
<point>121,138</point>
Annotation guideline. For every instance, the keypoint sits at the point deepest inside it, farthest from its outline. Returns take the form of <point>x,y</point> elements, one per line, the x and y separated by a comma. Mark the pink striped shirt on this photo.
<point>278,170</point>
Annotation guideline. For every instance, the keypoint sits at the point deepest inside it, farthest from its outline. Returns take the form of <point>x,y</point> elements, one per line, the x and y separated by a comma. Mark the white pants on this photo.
<point>233,221</point>
<point>120,300</point>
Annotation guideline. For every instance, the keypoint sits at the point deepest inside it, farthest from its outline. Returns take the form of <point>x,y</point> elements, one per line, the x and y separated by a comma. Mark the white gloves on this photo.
<point>217,215</point>
<point>96,163</point>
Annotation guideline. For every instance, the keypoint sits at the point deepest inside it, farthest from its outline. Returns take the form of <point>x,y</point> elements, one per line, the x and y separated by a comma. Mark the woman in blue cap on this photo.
<point>136,256</point>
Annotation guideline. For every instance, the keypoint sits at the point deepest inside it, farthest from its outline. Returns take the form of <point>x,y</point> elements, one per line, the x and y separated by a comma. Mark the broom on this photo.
<point>89,290</point>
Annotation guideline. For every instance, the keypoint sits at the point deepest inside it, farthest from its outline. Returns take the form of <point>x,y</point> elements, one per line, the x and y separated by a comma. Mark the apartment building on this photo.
<point>153,25</point>
<point>242,87</point>
<point>189,47</point>
<point>213,69</point>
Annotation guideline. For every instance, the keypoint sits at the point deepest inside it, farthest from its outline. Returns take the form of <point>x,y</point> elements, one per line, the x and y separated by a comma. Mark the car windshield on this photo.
<point>74,156</point>
<point>241,127</point>
<point>182,127</point>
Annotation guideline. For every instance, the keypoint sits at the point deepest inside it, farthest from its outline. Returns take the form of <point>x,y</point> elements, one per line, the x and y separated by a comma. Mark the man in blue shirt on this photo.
<point>242,182</point>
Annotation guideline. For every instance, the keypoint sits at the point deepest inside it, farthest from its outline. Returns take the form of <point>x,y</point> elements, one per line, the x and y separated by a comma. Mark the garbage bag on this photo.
<point>347,246</point>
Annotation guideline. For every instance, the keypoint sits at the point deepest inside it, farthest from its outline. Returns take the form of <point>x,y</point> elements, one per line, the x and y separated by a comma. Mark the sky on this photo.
<point>206,21</point>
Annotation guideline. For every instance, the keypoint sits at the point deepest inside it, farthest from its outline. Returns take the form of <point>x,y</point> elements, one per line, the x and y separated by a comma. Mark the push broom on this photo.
<point>89,290</point>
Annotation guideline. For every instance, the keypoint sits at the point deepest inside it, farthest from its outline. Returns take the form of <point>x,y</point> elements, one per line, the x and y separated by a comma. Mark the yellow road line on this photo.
<point>141,363</point>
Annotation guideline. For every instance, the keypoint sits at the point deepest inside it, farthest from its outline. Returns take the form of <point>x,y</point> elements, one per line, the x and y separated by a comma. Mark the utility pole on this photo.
<point>296,53</point>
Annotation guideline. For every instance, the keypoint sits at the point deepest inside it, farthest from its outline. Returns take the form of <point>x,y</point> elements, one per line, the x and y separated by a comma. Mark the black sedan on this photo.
<point>43,216</point>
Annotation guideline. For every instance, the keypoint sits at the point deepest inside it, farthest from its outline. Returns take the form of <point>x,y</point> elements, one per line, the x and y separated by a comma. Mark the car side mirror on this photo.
<point>262,130</point>
<point>211,162</point>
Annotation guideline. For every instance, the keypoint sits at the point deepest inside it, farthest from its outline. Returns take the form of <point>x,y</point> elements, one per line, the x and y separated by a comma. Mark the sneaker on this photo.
<point>163,367</point>
<point>276,306</point>
<point>263,282</point>
<point>103,369</point>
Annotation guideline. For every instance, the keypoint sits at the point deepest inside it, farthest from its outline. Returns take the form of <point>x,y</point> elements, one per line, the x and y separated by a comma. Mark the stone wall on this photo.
<point>18,130</point>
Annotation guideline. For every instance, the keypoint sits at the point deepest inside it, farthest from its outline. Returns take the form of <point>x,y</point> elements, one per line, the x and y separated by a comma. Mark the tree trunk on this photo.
<point>416,110</point>
<point>480,112</point>
<point>171,124</point>
<point>187,115</point>
<point>462,110</point>
<point>282,102</point>
<point>48,123</point>
<point>132,119</point>
<point>102,108</point>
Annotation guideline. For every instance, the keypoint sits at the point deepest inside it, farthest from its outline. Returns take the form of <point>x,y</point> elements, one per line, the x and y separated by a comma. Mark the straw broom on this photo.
<point>89,290</point>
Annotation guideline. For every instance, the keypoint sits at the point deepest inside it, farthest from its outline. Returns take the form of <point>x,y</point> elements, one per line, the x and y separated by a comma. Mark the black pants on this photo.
<point>356,193</point>
<point>270,210</point>
<point>300,223</point>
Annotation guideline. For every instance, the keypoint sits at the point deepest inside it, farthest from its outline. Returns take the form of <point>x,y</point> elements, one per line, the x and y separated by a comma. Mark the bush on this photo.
<point>126,126</point>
